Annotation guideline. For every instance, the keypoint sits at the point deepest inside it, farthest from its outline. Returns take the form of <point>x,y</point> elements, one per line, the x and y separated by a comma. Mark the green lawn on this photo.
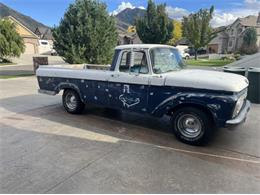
<point>206,62</point>
<point>14,76</point>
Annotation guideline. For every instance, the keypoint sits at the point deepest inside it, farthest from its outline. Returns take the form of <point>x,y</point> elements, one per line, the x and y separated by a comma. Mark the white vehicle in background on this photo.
<point>183,50</point>
<point>45,47</point>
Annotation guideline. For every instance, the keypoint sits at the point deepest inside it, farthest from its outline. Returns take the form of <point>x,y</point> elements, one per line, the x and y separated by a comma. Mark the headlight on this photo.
<point>239,104</point>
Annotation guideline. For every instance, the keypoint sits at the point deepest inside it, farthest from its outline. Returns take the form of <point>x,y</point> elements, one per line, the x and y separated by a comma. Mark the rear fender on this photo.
<point>64,86</point>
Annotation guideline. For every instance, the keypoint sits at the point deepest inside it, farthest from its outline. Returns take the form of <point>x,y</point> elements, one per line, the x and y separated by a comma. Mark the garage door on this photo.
<point>29,48</point>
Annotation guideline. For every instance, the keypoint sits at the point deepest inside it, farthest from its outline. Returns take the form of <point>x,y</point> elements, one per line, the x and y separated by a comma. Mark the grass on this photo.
<point>206,62</point>
<point>6,63</point>
<point>14,76</point>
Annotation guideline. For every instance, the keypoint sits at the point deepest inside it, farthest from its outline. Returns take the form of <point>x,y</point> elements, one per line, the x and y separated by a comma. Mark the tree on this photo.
<point>155,26</point>
<point>249,41</point>
<point>11,43</point>
<point>196,28</point>
<point>131,29</point>
<point>177,32</point>
<point>86,34</point>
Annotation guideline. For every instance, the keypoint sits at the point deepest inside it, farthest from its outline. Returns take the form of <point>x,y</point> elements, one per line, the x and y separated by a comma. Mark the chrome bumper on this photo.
<point>241,117</point>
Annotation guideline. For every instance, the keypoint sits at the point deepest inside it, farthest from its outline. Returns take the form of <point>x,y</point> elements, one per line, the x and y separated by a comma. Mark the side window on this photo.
<point>140,64</point>
<point>125,61</point>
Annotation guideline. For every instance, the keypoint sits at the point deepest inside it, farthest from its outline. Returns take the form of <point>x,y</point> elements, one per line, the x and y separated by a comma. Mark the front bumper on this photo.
<point>241,117</point>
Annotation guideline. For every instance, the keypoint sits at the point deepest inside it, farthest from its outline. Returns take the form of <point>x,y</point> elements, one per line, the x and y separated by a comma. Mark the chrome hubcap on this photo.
<point>71,101</point>
<point>189,126</point>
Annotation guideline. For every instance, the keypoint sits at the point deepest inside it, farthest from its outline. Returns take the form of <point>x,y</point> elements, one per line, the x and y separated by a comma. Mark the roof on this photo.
<point>18,22</point>
<point>249,20</point>
<point>139,46</point>
<point>44,32</point>
<point>183,41</point>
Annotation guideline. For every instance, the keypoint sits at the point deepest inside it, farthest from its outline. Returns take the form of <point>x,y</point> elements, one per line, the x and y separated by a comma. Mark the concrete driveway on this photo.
<point>45,150</point>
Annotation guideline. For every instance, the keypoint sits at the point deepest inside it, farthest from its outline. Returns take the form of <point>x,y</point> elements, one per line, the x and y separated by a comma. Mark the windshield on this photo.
<point>165,60</point>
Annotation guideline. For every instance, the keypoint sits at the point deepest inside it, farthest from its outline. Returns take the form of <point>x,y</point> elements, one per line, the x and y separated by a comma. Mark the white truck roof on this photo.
<point>139,46</point>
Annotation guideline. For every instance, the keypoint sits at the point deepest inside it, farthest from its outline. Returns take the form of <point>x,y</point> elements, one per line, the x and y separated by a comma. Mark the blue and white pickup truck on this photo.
<point>152,79</point>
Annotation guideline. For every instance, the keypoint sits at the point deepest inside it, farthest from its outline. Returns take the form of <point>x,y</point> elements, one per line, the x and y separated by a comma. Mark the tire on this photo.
<point>192,126</point>
<point>72,102</point>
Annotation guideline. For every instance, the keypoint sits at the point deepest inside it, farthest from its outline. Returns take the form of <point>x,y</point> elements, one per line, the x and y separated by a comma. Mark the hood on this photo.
<point>204,79</point>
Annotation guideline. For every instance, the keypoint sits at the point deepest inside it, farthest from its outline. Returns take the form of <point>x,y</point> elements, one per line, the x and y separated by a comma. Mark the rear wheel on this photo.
<point>192,126</point>
<point>72,102</point>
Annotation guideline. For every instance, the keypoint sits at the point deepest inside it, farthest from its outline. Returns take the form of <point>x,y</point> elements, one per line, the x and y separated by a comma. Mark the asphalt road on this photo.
<point>248,61</point>
<point>45,150</point>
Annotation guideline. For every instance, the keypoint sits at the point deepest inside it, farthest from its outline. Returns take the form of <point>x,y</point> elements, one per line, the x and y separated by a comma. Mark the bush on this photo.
<point>249,45</point>
<point>11,43</point>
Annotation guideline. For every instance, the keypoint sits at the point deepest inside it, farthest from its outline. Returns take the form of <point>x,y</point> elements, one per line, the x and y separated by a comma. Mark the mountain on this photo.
<point>25,20</point>
<point>123,19</point>
<point>128,16</point>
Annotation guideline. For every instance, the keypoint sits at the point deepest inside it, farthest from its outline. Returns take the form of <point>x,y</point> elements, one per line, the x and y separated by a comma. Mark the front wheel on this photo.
<point>72,102</point>
<point>192,126</point>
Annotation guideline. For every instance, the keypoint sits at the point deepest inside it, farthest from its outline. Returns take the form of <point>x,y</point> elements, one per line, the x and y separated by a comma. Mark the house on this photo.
<point>35,41</point>
<point>46,40</point>
<point>128,38</point>
<point>220,42</point>
<point>31,40</point>
<point>230,38</point>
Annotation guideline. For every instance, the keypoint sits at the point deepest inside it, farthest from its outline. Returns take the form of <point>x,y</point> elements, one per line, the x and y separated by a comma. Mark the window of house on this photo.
<point>44,42</point>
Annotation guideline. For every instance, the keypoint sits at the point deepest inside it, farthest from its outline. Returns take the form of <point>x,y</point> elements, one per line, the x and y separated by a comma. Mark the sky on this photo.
<point>49,12</point>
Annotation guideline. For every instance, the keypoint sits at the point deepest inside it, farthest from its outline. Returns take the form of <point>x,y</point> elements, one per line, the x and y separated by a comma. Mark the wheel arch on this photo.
<point>193,105</point>
<point>69,86</point>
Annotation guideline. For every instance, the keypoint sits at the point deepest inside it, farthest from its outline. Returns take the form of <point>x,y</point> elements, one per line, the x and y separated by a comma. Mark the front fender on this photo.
<point>220,106</point>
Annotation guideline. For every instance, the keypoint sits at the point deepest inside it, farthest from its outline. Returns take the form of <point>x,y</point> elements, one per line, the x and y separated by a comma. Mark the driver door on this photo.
<point>129,84</point>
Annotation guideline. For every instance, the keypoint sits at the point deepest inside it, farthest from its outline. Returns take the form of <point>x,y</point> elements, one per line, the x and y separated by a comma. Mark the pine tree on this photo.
<point>155,26</point>
<point>11,43</point>
<point>86,34</point>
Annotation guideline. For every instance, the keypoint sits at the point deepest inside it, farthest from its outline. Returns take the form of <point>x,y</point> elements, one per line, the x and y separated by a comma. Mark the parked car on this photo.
<point>44,47</point>
<point>201,51</point>
<point>184,51</point>
<point>152,79</point>
<point>54,52</point>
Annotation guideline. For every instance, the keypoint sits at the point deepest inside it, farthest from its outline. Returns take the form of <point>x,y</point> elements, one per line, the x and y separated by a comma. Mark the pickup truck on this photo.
<point>152,79</point>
